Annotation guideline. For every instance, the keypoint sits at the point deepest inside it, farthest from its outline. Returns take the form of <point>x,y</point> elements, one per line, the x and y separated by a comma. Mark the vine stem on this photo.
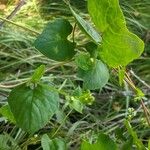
<point>18,25</point>
<point>62,123</point>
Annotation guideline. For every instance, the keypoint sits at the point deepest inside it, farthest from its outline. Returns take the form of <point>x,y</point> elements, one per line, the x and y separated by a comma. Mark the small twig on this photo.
<point>23,27</point>
<point>146,112</point>
<point>14,12</point>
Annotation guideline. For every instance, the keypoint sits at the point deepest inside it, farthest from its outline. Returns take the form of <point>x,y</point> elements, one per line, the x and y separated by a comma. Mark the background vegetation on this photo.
<point>19,59</point>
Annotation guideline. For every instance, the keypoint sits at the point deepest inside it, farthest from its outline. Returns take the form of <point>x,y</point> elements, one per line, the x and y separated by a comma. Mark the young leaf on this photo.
<point>33,107</point>
<point>104,142</point>
<point>84,61</point>
<point>54,144</point>
<point>38,74</point>
<point>119,46</point>
<point>95,78</point>
<point>80,98</point>
<point>86,27</point>
<point>6,112</point>
<point>53,41</point>
<point>76,104</point>
<point>86,97</point>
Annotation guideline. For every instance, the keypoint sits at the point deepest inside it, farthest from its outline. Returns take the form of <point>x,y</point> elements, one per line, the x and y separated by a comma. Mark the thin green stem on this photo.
<point>62,123</point>
<point>145,112</point>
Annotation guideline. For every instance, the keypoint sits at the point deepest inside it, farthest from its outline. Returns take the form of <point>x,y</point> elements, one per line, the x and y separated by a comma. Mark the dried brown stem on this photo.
<point>14,12</point>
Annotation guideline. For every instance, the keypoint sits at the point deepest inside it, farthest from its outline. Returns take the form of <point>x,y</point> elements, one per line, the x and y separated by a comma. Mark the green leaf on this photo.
<point>77,92</point>
<point>84,61</point>
<point>87,146</point>
<point>139,94</point>
<point>54,144</point>
<point>76,104</point>
<point>86,27</point>
<point>38,74</point>
<point>33,107</point>
<point>6,112</point>
<point>106,14</point>
<point>95,78</point>
<point>53,41</point>
<point>119,46</point>
<point>104,142</point>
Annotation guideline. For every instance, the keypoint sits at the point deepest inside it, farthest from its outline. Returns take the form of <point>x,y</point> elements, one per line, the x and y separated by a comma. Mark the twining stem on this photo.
<point>146,111</point>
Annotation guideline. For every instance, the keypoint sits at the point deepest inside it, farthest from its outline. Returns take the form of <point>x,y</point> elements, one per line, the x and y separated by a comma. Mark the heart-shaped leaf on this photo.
<point>33,107</point>
<point>95,78</point>
<point>53,41</point>
<point>119,46</point>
